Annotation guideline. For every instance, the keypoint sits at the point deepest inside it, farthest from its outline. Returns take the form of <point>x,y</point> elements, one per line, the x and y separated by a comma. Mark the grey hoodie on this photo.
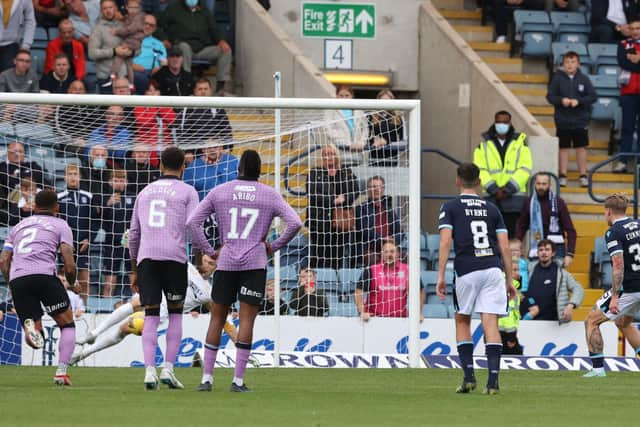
<point>21,14</point>
<point>101,46</point>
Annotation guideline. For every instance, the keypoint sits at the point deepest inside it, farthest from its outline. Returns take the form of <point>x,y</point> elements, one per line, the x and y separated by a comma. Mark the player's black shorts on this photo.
<point>29,291</point>
<point>247,285</point>
<point>82,259</point>
<point>576,138</point>
<point>155,277</point>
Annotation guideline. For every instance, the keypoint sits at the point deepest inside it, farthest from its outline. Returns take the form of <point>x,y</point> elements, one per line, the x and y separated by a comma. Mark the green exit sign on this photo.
<point>346,20</point>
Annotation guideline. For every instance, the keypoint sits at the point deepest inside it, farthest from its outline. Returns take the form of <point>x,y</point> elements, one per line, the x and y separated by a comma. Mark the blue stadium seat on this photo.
<point>45,157</point>
<point>338,308</point>
<point>327,280</point>
<point>607,110</point>
<point>101,305</point>
<point>435,311</point>
<point>535,31</point>
<point>288,276</point>
<point>349,278</point>
<point>600,252</point>
<point>603,55</point>
<point>558,49</point>
<point>91,80</point>
<point>607,275</point>
<point>605,85</point>
<point>53,32</point>
<point>38,56</point>
<point>40,39</point>
<point>570,27</point>
<point>4,233</point>
<point>38,134</point>
<point>428,277</point>
<point>295,252</point>
<point>7,129</point>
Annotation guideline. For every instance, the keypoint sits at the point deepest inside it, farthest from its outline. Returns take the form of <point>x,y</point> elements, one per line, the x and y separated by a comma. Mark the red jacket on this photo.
<point>148,129</point>
<point>633,86</point>
<point>79,62</point>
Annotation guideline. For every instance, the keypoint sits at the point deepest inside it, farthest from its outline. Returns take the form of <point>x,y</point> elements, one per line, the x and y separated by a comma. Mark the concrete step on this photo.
<point>524,78</point>
<point>573,165</point>
<point>579,195</point>
<point>591,296</point>
<point>581,264</point>
<point>593,209</point>
<point>531,96</point>
<point>583,279</point>
<point>474,33</point>
<point>605,178</point>
<point>526,85</point>
<point>541,110</point>
<point>581,313</point>
<point>462,17</point>
<point>504,65</point>
<point>449,4</point>
<point>598,144</point>
<point>584,244</point>
<point>590,228</point>
<point>485,48</point>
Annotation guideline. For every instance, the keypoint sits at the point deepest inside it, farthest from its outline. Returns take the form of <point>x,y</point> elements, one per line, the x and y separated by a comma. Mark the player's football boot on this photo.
<point>150,381</point>
<point>75,357</point>
<point>169,378</point>
<point>36,338</point>
<point>205,386</point>
<point>595,374</point>
<point>491,391</point>
<point>466,387</point>
<point>235,388</point>
<point>62,379</point>
<point>89,338</point>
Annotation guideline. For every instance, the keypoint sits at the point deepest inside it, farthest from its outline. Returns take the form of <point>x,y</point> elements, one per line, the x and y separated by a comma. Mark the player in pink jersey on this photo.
<point>244,209</point>
<point>158,248</point>
<point>28,263</point>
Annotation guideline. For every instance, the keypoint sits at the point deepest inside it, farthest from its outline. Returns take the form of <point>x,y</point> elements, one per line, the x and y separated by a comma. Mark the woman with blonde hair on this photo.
<point>332,189</point>
<point>386,134</point>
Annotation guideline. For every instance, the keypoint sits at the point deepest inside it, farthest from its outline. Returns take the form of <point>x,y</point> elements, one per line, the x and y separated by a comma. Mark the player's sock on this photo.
<point>150,339</point>
<point>113,318</point>
<point>243,350</point>
<point>174,337</point>
<point>597,361</point>
<point>66,345</point>
<point>111,338</point>
<point>210,354</point>
<point>465,352</point>
<point>493,363</point>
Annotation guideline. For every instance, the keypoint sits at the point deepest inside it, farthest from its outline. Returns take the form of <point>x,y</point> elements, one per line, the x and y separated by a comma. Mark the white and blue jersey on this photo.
<point>624,237</point>
<point>475,224</point>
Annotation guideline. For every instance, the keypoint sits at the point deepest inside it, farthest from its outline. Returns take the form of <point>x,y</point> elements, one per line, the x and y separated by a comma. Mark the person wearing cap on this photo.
<point>192,28</point>
<point>151,57</point>
<point>173,79</point>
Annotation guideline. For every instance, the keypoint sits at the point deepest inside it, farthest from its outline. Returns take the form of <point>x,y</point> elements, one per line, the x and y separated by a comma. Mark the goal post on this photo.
<point>292,117</point>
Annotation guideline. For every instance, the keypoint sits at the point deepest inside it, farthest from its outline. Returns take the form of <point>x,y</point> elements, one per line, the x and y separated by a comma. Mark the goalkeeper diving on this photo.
<point>130,316</point>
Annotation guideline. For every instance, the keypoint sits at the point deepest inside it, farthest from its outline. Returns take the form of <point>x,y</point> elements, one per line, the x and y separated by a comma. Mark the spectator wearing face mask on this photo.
<point>95,173</point>
<point>505,166</point>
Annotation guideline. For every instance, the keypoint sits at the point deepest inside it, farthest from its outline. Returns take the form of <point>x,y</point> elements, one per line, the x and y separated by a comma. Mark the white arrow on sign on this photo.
<point>364,20</point>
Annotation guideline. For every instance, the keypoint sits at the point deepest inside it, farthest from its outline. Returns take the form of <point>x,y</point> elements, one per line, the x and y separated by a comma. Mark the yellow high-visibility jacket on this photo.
<point>516,169</point>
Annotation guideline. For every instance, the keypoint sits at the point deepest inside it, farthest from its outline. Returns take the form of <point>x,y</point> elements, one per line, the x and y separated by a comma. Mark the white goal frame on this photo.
<point>412,107</point>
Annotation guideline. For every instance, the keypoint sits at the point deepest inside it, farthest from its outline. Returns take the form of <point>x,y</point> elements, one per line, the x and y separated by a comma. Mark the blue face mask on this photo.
<point>191,3</point>
<point>502,128</point>
<point>99,163</point>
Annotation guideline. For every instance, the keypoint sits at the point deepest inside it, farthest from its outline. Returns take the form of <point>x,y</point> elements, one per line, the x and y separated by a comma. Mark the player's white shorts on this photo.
<point>628,304</point>
<point>481,291</point>
<point>198,290</point>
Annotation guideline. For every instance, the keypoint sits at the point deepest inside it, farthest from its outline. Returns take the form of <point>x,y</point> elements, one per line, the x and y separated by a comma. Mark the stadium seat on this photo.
<point>327,280</point>
<point>535,31</point>
<point>349,278</point>
<point>606,273</point>
<point>558,49</point>
<point>38,56</point>
<point>605,85</point>
<point>295,252</point>
<point>53,32</point>
<point>428,277</point>
<point>600,252</point>
<point>40,39</point>
<point>339,308</point>
<point>38,134</point>
<point>433,299</point>
<point>435,311</point>
<point>608,110</point>
<point>570,27</point>
<point>603,55</point>
<point>7,129</point>
<point>4,233</point>
<point>101,305</point>
<point>45,157</point>
<point>288,276</point>
<point>91,80</point>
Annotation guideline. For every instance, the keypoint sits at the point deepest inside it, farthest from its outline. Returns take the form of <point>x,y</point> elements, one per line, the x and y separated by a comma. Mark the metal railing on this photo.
<point>433,196</point>
<point>636,178</point>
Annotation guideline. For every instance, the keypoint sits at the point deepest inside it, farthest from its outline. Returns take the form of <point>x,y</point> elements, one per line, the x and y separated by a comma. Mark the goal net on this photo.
<point>349,168</point>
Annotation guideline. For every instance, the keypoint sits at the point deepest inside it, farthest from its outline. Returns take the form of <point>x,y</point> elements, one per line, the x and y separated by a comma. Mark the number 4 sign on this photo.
<point>338,54</point>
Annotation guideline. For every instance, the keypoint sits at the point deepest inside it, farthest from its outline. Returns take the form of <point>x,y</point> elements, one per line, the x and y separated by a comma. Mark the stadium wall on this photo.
<point>460,95</point>
<point>333,335</point>
<point>262,48</point>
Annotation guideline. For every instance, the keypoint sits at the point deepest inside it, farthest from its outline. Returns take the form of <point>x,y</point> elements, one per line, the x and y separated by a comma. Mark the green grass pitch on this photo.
<point>316,397</point>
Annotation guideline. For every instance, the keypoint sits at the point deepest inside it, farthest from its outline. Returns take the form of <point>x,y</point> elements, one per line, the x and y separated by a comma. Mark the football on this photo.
<point>135,322</point>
